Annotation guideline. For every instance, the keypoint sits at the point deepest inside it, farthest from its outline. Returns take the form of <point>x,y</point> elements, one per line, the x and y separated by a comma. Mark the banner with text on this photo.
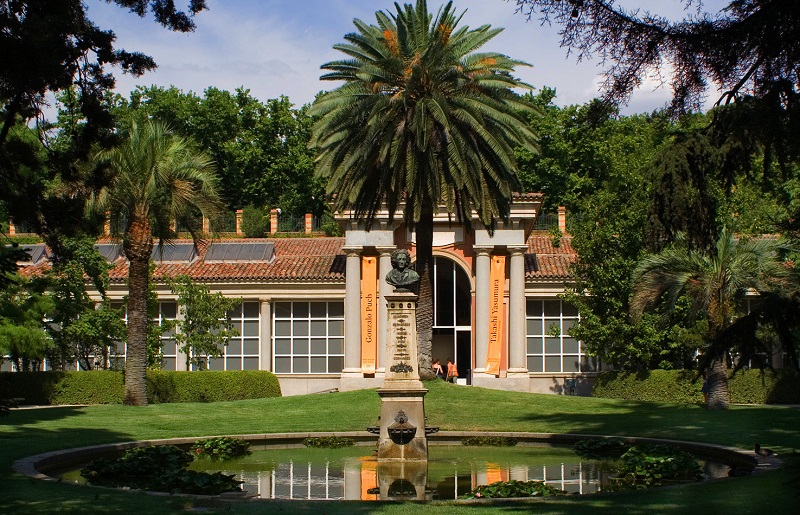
<point>497,280</point>
<point>369,313</point>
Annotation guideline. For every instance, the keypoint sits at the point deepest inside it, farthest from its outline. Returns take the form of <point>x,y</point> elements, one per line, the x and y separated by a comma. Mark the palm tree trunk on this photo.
<point>718,393</point>
<point>138,247</point>
<point>424,231</point>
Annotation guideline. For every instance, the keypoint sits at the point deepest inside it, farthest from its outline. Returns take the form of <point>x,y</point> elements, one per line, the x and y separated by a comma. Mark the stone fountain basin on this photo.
<point>40,465</point>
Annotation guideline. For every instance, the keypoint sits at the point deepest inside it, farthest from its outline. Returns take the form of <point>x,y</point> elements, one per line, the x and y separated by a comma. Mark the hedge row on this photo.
<point>746,386</point>
<point>107,387</point>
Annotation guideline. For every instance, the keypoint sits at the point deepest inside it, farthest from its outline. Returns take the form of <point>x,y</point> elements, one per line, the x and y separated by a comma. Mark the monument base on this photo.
<point>402,433</point>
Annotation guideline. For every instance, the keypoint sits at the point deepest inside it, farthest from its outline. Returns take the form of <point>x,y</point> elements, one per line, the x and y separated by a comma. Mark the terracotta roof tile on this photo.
<point>544,261</point>
<point>322,260</point>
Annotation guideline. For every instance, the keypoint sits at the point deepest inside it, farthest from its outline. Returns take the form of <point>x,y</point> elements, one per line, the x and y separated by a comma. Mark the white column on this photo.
<point>384,289</point>
<point>517,362</point>
<point>482,298</point>
<point>352,312</point>
<point>265,339</point>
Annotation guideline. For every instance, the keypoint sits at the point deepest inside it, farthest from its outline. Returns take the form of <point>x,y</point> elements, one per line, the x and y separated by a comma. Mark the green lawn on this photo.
<point>450,407</point>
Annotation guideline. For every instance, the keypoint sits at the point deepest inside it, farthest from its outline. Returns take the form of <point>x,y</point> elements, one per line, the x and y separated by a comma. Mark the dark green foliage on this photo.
<point>329,442</point>
<point>221,448</point>
<point>160,468</point>
<point>261,148</point>
<point>50,47</point>
<point>746,386</point>
<point>210,386</point>
<point>55,387</point>
<point>255,221</point>
<point>600,448</point>
<point>489,441</point>
<point>513,488</point>
<point>106,386</point>
<point>644,466</point>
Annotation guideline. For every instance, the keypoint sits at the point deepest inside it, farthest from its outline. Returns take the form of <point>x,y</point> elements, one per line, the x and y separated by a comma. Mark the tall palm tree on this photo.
<point>158,178</point>
<point>713,282</point>
<point>421,120</point>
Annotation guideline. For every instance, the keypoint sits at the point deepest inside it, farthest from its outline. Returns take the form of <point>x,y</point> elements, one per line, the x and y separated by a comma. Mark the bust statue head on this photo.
<point>401,258</point>
<point>401,276</point>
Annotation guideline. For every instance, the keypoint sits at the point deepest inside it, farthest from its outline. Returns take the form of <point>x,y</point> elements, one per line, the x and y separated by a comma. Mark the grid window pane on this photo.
<point>570,310</point>
<point>318,346</point>
<point>533,308</point>
<point>251,309</point>
<point>535,327</point>
<point>250,364</point>
<point>233,364</point>
<point>552,308</point>
<point>318,365</point>
<point>535,364</point>
<point>336,346</point>
<point>300,327</point>
<point>552,345</point>
<point>216,364</point>
<point>534,345</point>
<point>318,328</point>
<point>283,328</point>
<point>249,328</point>
<point>300,365</point>
<point>169,310</point>
<point>552,364</point>
<point>311,337</point>
<point>319,309</point>
<point>336,328</point>
<point>283,365</point>
<point>570,364</point>
<point>283,310</point>
<point>234,347</point>
<point>300,310</point>
<point>250,346</point>
<point>335,364</point>
<point>570,346</point>
<point>335,309</point>
<point>283,346</point>
<point>300,347</point>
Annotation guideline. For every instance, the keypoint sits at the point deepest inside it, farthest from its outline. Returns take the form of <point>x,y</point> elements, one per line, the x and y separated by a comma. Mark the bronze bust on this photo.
<point>401,276</point>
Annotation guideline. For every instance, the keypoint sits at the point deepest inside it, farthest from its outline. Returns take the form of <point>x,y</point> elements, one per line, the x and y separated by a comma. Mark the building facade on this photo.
<point>313,313</point>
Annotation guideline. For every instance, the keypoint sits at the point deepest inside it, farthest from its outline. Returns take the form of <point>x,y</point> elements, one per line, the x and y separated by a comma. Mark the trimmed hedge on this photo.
<point>107,386</point>
<point>210,386</point>
<point>746,386</point>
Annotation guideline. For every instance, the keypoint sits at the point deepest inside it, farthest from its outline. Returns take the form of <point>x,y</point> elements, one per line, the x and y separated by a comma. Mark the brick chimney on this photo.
<point>562,219</point>
<point>239,231</point>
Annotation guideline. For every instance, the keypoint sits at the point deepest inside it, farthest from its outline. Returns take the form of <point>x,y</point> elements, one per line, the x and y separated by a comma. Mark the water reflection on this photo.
<point>345,474</point>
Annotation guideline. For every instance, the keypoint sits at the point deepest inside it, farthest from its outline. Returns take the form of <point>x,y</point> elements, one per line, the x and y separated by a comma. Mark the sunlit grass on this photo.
<point>450,407</point>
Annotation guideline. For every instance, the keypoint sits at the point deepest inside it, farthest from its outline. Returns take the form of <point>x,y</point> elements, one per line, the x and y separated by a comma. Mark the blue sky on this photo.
<point>276,47</point>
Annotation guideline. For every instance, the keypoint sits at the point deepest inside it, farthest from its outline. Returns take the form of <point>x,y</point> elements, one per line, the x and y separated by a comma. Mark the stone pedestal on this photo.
<point>402,430</point>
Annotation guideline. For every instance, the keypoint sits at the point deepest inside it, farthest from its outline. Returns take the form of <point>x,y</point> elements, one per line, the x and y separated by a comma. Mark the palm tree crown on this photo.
<point>421,118</point>
<point>158,178</point>
<point>713,282</point>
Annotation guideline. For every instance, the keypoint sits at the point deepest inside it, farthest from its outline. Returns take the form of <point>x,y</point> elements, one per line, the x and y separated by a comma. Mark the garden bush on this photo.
<point>107,386</point>
<point>54,387</point>
<point>210,385</point>
<point>255,221</point>
<point>221,448</point>
<point>161,468</point>
<point>746,386</point>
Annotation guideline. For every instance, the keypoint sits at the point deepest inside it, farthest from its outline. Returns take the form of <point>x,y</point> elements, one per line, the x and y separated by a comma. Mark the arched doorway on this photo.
<point>452,315</point>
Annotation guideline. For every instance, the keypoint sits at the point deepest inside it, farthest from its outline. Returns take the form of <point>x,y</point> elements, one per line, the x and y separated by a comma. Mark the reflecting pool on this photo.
<point>451,471</point>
